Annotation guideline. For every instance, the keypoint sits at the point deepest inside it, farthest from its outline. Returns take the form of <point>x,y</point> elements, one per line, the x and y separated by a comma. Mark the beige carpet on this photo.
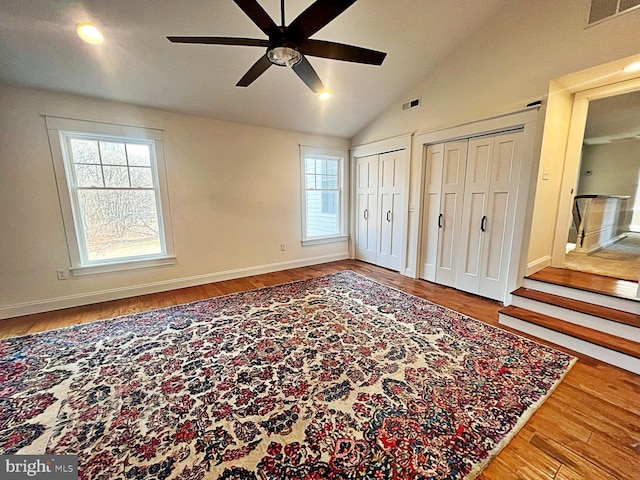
<point>620,260</point>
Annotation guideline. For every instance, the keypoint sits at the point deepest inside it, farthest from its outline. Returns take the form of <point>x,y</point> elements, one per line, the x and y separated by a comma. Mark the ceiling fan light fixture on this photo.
<point>283,56</point>
<point>89,33</point>
<point>324,95</point>
<point>632,67</point>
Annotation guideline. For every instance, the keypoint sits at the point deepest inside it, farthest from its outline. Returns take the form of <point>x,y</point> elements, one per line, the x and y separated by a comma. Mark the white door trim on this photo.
<point>572,158</point>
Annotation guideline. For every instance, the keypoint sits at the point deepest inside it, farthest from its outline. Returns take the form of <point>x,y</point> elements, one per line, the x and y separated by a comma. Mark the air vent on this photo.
<point>605,9</point>
<point>411,104</point>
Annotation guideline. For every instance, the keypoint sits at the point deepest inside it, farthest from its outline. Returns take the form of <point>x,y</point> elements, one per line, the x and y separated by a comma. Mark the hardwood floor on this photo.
<point>589,282</point>
<point>588,429</point>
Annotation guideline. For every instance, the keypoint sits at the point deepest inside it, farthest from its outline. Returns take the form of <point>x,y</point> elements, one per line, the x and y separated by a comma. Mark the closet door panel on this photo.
<point>446,244</point>
<point>434,159</point>
<point>505,171</point>
<point>391,212</point>
<point>366,227</point>
<point>495,235</point>
<point>479,166</point>
<point>476,192</point>
<point>505,166</point>
<point>366,208</point>
<point>389,249</point>
<point>455,162</point>
<point>469,266</point>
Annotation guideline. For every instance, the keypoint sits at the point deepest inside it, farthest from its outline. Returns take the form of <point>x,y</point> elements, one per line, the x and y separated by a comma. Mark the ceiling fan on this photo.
<point>288,45</point>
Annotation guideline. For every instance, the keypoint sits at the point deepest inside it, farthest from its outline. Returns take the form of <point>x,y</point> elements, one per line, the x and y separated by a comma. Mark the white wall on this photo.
<point>499,69</point>
<point>614,170</point>
<point>508,63</point>
<point>234,193</point>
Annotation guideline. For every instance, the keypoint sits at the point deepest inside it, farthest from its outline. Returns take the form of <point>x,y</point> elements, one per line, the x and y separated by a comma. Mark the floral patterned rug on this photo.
<point>336,377</point>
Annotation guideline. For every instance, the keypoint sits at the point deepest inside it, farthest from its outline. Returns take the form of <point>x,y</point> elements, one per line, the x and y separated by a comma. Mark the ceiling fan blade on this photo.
<point>247,42</point>
<point>339,51</point>
<point>254,72</point>
<point>257,14</point>
<point>308,75</point>
<point>319,14</point>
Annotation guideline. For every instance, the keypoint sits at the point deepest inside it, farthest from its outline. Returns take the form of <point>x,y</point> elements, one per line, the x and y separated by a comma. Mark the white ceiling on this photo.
<point>138,65</point>
<point>613,118</point>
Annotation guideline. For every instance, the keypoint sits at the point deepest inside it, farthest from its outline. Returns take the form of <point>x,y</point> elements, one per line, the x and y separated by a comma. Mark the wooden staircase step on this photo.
<point>602,339</point>
<point>578,306</point>
<point>588,282</point>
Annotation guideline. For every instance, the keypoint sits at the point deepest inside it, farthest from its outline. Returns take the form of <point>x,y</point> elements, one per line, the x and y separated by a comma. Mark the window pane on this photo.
<point>309,165</point>
<point>119,223</point>
<point>113,153</point>
<point>85,151</point>
<point>141,177</point>
<point>332,167</point>
<point>310,181</point>
<point>88,175</point>
<point>319,223</point>
<point>329,182</point>
<point>139,155</point>
<point>116,176</point>
<point>330,202</point>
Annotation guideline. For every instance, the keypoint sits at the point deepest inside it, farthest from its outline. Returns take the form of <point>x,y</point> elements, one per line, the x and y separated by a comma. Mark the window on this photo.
<point>323,198</point>
<point>113,194</point>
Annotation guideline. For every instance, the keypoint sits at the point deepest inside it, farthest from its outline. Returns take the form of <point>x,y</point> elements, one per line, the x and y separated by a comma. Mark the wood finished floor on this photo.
<point>589,282</point>
<point>588,429</point>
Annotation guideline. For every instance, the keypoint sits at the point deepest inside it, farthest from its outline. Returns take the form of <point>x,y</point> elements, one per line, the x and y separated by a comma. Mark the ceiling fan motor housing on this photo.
<point>284,56</point>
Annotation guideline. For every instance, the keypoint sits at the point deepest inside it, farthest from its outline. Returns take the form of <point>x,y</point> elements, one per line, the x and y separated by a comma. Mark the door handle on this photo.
<point>388,213</point>
<point>366,213</point>
<point>440,221</point>
<point>483,223</point>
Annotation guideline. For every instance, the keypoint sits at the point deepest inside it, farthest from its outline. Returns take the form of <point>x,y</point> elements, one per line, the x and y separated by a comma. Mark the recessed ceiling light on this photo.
<point>632,67</point>
<point>324,95</point>
<point>89,33</point>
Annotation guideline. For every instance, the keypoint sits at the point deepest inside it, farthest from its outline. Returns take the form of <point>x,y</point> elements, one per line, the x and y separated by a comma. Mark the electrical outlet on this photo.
<point>283,247</point>
<point>62,273</point>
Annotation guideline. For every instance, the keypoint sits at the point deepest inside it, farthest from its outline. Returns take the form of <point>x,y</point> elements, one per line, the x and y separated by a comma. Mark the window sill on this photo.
<point>119,266</point>
<point>321,240</point>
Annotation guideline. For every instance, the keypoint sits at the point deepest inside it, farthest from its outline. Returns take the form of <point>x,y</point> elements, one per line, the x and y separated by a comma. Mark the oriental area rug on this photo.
<point>337,377</point>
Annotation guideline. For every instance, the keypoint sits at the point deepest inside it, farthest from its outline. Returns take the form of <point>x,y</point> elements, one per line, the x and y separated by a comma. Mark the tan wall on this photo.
<point>234,192</point>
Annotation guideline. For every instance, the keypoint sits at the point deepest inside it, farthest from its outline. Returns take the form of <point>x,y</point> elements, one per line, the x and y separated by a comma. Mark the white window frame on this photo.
<point>330,153</point>
<point>60,129</point>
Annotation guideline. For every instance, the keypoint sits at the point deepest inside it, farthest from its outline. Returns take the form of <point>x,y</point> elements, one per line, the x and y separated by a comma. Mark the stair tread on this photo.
<point>596,337</point>
<point>607,313</point>
<point>588,282</point>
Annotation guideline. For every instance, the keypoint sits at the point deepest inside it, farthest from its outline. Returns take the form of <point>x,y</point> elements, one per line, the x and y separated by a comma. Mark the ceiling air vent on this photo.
<point>411,104</point>
<point>604,9</point>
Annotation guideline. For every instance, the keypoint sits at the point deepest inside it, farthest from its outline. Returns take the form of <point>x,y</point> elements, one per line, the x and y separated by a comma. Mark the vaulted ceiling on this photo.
<point>136,63</point>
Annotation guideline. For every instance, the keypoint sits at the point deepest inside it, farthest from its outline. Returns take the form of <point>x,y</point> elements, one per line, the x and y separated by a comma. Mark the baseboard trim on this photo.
<point>539,264</point>
<point>58,303</point>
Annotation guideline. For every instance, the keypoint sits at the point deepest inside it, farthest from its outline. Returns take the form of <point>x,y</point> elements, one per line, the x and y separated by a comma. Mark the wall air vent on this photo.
<point>604,9</point>
<point>411,104</point>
